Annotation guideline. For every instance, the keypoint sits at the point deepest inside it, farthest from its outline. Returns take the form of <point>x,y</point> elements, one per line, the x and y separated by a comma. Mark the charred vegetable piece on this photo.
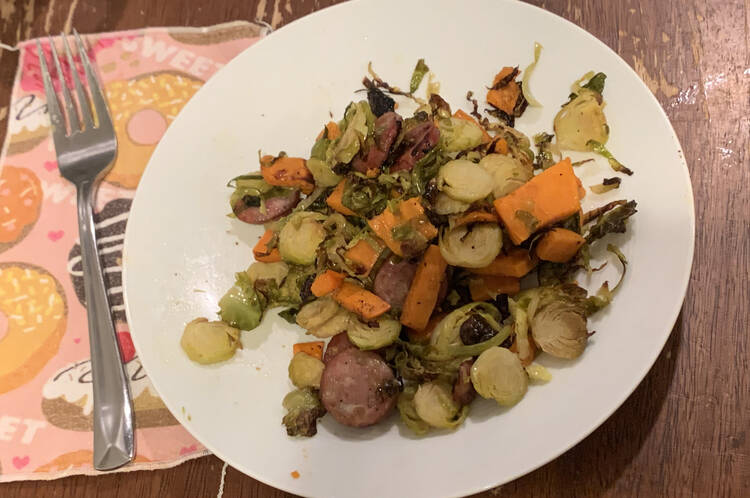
<point>476,329</point>
<point>303,408</point>
<point>241,307</point>
<point>600,149</point>
<point>612,221</point>
<point>380,103</point>
<point>300,238</point>
<point>606,185</point>
<point>285,171</point>
<point>420,70</point>
<point>305,370</point>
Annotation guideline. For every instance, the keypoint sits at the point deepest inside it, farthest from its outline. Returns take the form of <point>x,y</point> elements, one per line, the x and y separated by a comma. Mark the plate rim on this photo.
<point>579,437</point>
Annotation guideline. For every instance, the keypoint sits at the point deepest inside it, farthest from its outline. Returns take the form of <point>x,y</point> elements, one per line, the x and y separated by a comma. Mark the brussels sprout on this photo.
<point>357,124</point>
<point>366,337</point>
<point>471,246</point>
<point>447,333</point>
<point>498,374</point>
<point>340,322</point>
<point>508,173</point>
<point>305,370</point>
<point>459,134</point>
<point>317,312</point>
<point>268,271</point>
<point>559,328</point>
<point>538,373</point>
<point>300,238</point>
<point>303,408</point>
<point>434,404</point>
<point>241,306</point>
<point>444,204</point>
<point>464,181</point>
<point>322,173</point>
<point>580,121</point>
<point>408,412</point>
<point>209,342</point>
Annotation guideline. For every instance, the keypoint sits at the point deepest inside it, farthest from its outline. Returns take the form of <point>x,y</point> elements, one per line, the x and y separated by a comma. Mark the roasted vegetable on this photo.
<point>356,126</point>
<point>460,134</point>
<point>327,282</point>
<point>408,412</point>
<point>549,197</point>
<point>482,322</point>
<point>498,374</point>
<point>262,250</point>
<point>527,77</point>
<point>612,221</point>
<point>517,262</point>
<point>559,245</point>
<point>305,370</point>
<point>360,301</point>
<point>335,200</point>
<point>581,120</point>
<point>606,185</point>
<point>423,293</point>
<point>300,238</point>
<point>471,246</point>
<point>464,181</point>
<point>285,171</point>
<point>209,342</point>
<point>599,148</point>
<point>316,313</point>
<point>508,173</point>
<point>241,306</point>
<point>378,334</point>
<point>303,408</point>
<point>313,348</point>
<point>434,404</point>
<point>268,271</point>
<point>417,75</point>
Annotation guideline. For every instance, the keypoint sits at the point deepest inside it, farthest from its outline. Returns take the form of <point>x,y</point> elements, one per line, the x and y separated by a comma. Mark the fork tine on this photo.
<point>83,99</point>
<point>100,104</point>
<point>70,108</point>
<point>53,106</point>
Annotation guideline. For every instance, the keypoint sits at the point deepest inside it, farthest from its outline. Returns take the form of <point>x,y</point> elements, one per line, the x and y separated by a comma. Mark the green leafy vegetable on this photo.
<point>544,158</point>
<point>416,77</point>
<point>290,315</point>
<point>356,126</point>
<point>612,221</point>
<point>596,83</point>
<point>600,149</point>
<point>242,307</point>
<point>606,185</point>
<point>303,408</point>
<point>366,197</point>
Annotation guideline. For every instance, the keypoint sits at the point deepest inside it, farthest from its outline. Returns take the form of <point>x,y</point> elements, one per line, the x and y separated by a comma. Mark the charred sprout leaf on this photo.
<point>426,169</point>
<point>290,315</point>
<point>242,307</point>
<point>416,77</point>
<point>579,163</point>
<point>303,408</point>
<point>604,295</point>
<point>475,105</point>
<point>440,108</point>
<point>596,213</point>
<point>612,221</point>
<point>527,76</point>
<point>356,126</point>
<point>600,149</point>
<point>596,83</point>
<point>364,196</point>
<point>550,273</point>
<point>544,158</point>
<point>380,103</point>
<point>606,185</point>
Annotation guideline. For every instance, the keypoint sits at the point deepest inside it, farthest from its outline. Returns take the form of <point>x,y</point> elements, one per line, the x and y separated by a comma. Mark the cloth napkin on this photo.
<point>45,371</point>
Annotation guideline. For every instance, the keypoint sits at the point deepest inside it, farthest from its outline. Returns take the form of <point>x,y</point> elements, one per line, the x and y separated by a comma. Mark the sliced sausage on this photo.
<point>358,388</point>
<point>416,143</point>
<point>338,343</point>
<point>276,207</point>
<point>387,128</point>
<point>393,281</point>
<point>463,389</point>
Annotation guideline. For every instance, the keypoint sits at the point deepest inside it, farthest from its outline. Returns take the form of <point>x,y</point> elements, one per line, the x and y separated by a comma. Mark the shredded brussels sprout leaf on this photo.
<point>416,77</point>
<point>533,102</point>
<point>600,149</point>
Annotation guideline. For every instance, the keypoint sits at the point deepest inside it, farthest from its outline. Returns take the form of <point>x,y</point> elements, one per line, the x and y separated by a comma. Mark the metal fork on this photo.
<point>85,151</point>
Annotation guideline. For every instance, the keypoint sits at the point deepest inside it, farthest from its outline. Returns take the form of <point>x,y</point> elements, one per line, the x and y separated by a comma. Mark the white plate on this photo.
<point>181,250</point>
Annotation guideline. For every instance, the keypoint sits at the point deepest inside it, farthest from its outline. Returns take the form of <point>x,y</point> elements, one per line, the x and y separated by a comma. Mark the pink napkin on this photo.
<point>45,373</point>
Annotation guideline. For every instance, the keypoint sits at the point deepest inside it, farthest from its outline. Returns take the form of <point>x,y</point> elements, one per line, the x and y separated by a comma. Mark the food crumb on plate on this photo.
<point>295,474</point>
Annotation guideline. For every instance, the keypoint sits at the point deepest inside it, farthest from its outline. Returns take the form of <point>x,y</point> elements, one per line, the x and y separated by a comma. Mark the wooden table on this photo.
<point>684,431</point>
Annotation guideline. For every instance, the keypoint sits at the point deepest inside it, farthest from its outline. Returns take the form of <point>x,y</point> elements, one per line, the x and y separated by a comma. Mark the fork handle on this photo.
<point>113,409</point>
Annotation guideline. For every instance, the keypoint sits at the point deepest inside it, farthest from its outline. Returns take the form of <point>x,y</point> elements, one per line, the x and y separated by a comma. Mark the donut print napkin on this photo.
<point>45,371</point>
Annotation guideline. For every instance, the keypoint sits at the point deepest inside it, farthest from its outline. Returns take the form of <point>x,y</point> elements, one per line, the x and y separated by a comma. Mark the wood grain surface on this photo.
<point>684,431</point>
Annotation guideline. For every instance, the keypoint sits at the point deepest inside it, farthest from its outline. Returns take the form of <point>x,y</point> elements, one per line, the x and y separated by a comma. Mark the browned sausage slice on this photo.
<point>358,388</point>
<point>393,281</point>
<point>276,207</point>
<point>338,343</point>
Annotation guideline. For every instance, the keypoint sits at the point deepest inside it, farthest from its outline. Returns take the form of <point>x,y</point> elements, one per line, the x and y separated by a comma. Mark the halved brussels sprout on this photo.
<point>209,342</point>
<point>444,204</point>
<point>340,322</point>
<point>241,306</point>
<point>305,370</point>
<point>356,125</point>
<point>508,173</point>
<point>560,329</point>
<point>408,412</point>
<point>498,374</point>
<point>276,271</point>
<point>434,404</point>
<point>303,408</point>
<point>322,173</point>
<point>300,238</point>
<point>459,134</point>
<point>580,121</point>
<point>447,333</point>
<point>316,313</point>
<point>365,337</point>
<point>471,246</point>
<point>464,181</point>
